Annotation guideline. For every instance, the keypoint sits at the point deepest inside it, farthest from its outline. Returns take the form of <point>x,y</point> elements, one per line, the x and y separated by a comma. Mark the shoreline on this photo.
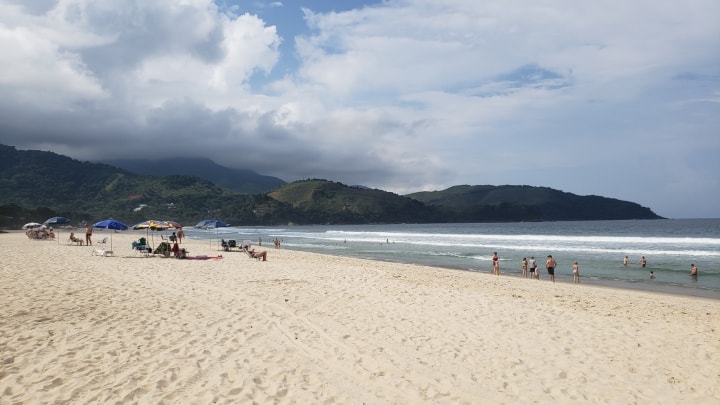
<point>676,290</point>
<point>308,328</point>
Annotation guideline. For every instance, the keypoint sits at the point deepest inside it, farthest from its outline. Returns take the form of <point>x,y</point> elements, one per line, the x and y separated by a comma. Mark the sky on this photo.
<point>614,98</point>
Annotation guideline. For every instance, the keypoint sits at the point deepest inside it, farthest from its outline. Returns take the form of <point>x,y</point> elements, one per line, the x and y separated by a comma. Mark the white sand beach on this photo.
<point>308,328</point>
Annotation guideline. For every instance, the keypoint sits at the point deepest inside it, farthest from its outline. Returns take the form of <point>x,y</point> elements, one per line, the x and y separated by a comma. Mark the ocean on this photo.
<point>670,247</point>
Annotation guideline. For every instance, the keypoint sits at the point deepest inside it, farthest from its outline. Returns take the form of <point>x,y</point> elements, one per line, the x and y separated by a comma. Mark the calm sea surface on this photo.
<point>669,246</point>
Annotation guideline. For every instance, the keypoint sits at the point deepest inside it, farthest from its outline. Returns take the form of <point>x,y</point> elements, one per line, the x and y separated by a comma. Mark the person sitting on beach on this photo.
<point>693,270</point>
<point>74,239</point>
<point>258,255</point>
<point>176,250</point>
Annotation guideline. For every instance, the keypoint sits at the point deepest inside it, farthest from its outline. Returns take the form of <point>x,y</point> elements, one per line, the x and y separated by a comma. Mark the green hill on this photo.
<point>323,201</point>
<point>86,191</point>
<point>529,203</point>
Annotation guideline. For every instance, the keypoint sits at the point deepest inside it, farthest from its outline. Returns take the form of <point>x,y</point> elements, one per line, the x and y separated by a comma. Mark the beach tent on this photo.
<point>56,221</point>
<point>211,223</point>
<point>112,224</point>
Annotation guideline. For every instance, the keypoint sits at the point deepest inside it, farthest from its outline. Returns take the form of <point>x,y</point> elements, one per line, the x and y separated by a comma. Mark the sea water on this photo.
<point>670,247</point>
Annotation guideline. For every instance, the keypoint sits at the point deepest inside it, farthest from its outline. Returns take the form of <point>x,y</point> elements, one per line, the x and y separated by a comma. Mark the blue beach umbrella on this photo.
<point>112,224</point>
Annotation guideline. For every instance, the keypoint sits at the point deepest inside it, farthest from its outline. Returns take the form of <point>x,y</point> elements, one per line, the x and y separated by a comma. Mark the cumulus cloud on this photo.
<point>610,98</point>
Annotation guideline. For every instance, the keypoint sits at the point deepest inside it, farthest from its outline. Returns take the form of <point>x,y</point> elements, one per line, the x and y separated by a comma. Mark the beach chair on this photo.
<point>101,248</point>
<point>141,247</point>
<point>256,255</point>
<point>164,249</point>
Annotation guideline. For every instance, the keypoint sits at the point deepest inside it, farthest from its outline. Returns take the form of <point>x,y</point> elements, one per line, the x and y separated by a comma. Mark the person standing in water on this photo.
<point>576,273</point>
<point>550,265</point>
<point>534,273</point>
<point>496,264</point>
<point>693,271</point>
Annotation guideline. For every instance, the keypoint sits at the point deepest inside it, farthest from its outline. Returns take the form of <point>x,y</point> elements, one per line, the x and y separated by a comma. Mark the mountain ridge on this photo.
<point>241,180</point>
<point>39,181</point>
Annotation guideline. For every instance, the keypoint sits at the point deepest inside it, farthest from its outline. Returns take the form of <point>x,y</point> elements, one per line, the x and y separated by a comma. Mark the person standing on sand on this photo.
<point>180,235</point>
<point>643,261</point>
<point>88,235</point>
<point>576,273</point>
<point>550,265</point>
<point>524,267</point>
<point>496,264</point>
<point>693,271</point>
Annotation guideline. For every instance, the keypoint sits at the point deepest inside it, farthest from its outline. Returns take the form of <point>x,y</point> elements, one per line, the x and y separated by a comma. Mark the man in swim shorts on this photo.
<point>550,265</point>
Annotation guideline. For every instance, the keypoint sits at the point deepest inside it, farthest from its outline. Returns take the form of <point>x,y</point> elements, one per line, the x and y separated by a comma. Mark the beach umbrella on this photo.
<point>56,221</point>
<point>172,224</point>
<point>151,224</point>
<point>112,224</point>
<point>31,225</point>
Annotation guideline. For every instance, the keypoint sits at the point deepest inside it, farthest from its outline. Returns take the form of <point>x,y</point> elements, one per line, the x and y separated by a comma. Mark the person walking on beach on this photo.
<point>524,267</point>
<point>550,265</point>
<point>643,261</point>
<point>576,273</point>
<point>88,235</point>
<point>693,271</point>
<point>496,264</point>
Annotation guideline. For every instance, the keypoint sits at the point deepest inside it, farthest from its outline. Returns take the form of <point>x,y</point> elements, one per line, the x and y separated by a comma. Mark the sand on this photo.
<point>308,328</point>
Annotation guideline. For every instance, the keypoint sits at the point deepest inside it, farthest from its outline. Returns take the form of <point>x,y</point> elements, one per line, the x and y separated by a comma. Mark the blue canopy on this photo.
<point>56,221</point>
<point>110,223</point>
<point>211,223</point>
